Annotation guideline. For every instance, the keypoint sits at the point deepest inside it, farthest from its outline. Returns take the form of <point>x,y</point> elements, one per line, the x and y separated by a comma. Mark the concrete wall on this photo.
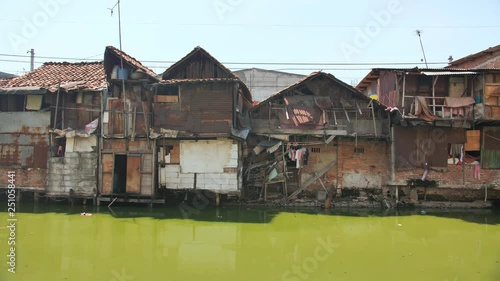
<point>214,163</point>
<point>264,83</point>
<point>208,156</point>
<point>76,170</point>
<point>172,178</point>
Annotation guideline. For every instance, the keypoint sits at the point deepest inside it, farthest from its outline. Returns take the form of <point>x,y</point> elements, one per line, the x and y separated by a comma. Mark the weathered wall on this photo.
<point>24,142</point>
<point>204,109</point>
<point>76,170</point>
<point>369,167</point>
<point>454,176</point>
<point>214,164</point>
<point>365,165</point>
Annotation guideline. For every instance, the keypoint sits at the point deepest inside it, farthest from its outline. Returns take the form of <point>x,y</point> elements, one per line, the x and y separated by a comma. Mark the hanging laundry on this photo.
<point>298,157</point>
<point>477,170</point>
<point>306,156</point>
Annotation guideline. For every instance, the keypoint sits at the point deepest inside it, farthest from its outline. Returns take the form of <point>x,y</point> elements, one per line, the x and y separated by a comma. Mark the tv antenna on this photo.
<point>419,32</point>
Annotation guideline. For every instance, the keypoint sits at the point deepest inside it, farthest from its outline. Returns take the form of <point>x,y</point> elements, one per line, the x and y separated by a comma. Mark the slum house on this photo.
<point>315,135</point>
<point>47,133</point>
<point>445,133</point>
<point>126,163</point>
<point>485,59</point>
<point>200,123</point>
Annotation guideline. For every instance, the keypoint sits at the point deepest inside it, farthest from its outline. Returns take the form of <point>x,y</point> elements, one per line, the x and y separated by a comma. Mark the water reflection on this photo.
<point>56,243</point>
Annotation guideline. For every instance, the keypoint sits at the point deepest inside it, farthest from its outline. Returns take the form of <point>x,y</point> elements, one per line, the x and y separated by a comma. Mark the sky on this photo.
<point>345,38</point>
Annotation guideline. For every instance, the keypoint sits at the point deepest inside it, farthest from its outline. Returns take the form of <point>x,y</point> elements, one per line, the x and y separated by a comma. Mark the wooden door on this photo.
<point>133,184</point>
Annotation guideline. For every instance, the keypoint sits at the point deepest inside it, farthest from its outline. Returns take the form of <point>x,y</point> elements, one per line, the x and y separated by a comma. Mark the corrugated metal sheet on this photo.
<point>490,154</point>
<point>415,146</point>
<point>441,73</point>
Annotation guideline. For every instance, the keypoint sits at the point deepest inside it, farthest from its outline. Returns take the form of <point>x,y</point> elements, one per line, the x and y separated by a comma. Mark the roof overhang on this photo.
<point>444,73</point>
<point>29,90</point>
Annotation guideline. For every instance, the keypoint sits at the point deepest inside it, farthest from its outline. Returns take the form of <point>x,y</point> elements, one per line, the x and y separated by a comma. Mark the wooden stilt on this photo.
<point>217,199</point>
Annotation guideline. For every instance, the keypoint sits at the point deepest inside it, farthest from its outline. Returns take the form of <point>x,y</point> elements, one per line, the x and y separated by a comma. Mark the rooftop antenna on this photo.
<point>121,62</point>
<point>419,32</point>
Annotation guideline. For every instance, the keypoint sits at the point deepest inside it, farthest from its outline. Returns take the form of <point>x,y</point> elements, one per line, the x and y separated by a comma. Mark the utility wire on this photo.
<point>244,63</point>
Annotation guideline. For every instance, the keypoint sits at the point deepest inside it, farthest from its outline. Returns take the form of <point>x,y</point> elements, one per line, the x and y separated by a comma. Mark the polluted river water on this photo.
<point>55,242</point>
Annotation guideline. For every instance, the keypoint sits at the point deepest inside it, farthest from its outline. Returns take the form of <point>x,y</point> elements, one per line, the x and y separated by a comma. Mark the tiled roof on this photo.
<point>70,76</point>
<point>4,82</point>
<point>131,60</point>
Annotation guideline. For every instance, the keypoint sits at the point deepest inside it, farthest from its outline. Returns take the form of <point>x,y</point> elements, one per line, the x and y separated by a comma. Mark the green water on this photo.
<point>133,244</point>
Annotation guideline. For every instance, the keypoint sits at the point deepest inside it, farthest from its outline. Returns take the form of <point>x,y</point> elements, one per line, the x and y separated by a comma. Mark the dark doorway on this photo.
<point>120,174</point>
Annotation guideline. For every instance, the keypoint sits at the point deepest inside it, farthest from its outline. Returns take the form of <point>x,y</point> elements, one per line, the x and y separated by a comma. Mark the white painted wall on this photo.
<point>207,159</point>
<point>208,156</point>
<point>79,144</point>
<point>263,83</point>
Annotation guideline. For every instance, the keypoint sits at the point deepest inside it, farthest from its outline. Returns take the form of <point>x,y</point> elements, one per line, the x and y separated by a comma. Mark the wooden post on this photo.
<point>404,90</point>
<point>57,105</point>
<point>434,95</point>
<point>217,199</point>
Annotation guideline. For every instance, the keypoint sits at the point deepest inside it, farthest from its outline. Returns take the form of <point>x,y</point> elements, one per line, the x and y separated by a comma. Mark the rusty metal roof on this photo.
<point>70,76</point>
<point>374,74</point>
<point>130,60</point>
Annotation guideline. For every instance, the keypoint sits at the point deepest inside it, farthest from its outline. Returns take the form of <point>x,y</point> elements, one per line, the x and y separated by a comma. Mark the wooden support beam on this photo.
<point>299,132</point>
<point>316,176</point>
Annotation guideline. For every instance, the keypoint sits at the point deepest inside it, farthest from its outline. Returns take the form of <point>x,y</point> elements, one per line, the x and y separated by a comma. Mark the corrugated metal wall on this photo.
<point>415,146</point>
<point>490,153</point>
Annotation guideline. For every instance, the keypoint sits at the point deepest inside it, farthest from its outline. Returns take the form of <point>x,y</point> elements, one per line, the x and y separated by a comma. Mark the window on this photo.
<point>167,93</point>
<point>359,150</point>
<point>315,150</point>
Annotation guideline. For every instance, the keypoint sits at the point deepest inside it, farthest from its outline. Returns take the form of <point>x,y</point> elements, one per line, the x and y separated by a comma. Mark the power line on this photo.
<point>251,63</point>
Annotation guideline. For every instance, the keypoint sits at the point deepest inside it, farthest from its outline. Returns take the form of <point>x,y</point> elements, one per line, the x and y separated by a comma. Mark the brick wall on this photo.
<point>366,167</point>
<point>453,177</point>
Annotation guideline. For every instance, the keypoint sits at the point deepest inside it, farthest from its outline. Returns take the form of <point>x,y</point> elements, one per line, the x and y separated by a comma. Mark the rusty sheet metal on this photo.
<point>415,146</point>
<point>304,113</point>
<point>24,139</point>
<point>203,109</point>
<point>490,154</point>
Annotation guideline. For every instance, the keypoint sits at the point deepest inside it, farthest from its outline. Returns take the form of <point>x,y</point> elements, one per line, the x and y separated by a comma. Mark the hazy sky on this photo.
<point>251,31</point>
